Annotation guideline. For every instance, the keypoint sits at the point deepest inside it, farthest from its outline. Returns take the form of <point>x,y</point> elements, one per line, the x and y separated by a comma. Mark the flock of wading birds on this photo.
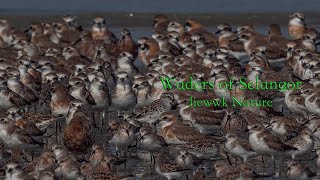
<point>60,80</point>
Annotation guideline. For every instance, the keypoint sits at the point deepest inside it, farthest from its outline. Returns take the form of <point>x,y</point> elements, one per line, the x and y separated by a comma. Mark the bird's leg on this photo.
<point>57,129</point>
<point>262,160</point>
<point>47,142</point>
<point>59,125</point>
<point>125,155</point>
<point>274,166</point>
<point>32,154</point>
<point>94,117</point>
<point>155,127</point>
<point>151,159</point>
<point>228,158</point>
<point>25,155</point>
<point>130,152</point>
<point>103,117</point>
<point>118,152</point>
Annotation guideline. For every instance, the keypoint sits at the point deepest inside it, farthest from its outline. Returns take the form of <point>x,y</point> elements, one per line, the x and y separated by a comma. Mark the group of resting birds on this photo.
<point>78,103</point>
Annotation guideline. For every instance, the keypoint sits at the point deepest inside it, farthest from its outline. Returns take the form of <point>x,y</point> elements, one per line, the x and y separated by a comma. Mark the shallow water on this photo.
<point>140,23</point>
<point>163,6</point>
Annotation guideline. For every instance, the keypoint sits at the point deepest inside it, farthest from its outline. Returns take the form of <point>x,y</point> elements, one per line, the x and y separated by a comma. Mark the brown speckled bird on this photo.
<point>78,133</point>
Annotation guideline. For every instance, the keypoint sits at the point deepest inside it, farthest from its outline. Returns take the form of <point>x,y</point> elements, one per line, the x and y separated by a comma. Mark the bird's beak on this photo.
<point>269,125</point>
<point>38,67</point>
<point>313,138</point>
<point>298,93</point>
<point>76,42</point>
<point>157,121</point>
<point>140,138</point>
<point>235,39</point>
<point>213,75</point>
<point>97,54</point>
